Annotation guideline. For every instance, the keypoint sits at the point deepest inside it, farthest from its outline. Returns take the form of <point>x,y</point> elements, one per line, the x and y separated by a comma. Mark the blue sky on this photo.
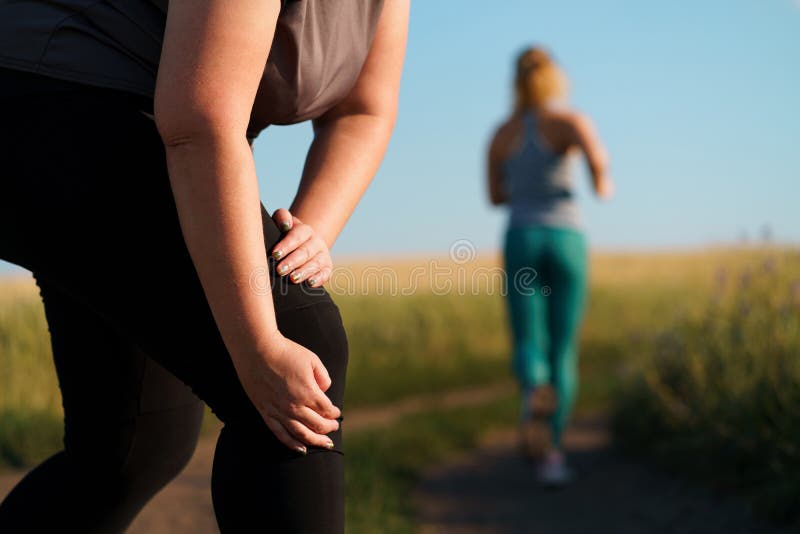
<point>698,102</point>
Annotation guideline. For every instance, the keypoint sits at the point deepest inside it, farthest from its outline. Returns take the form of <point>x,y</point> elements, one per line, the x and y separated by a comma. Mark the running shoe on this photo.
<point>554,472</point>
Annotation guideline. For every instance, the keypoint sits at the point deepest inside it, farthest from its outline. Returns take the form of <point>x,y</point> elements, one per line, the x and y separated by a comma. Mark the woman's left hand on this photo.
<point>301,254</point>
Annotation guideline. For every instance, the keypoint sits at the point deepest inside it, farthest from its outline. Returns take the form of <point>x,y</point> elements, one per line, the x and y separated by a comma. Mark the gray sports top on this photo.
<point>539,183</point>
<point>317,53</point>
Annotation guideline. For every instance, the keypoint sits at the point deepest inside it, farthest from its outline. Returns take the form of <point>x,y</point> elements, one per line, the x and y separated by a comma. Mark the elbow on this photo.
<point>390,113</point>
<point>497,198</point>
<point>380,110</point>
<point>194,131</point>
<point>385,120</point>
<point>195,124</point>
<point>385,110</point>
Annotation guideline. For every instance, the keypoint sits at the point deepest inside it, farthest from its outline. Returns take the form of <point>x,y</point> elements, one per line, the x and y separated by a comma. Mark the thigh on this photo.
<point>524,272</point>
<point>568,272</point>
<point>112,391</point>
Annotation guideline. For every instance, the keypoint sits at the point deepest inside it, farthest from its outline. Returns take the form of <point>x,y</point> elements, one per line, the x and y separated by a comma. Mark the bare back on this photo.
<point>561,130</point>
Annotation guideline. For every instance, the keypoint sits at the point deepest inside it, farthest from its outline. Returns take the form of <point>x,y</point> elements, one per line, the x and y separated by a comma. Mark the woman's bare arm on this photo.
<point>212,60</point>
<point>585,136</point>
<point>351,139</point>
<point>494,170</point>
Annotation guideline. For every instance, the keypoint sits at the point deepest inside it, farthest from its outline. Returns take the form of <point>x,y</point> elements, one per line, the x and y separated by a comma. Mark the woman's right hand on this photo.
<point>287,384</point>
<point>605,189</point>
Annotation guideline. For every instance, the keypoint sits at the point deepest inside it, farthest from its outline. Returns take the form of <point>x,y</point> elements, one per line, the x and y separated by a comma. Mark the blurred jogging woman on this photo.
<point>128,187</point>
<point>531,169</point>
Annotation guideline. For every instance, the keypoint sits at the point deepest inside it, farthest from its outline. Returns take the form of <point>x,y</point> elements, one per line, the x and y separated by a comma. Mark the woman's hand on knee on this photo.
<point>287,384</point>
<point>301,254</point>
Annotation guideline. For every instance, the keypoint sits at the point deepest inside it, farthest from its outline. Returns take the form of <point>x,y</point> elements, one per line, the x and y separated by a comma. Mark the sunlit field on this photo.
<point>695,353</point>
<point>717,392</point>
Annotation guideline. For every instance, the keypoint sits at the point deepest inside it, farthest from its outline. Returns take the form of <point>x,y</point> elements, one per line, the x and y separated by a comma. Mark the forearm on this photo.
<point>343,159</point>
<point>600,176</point>
<point>497,193</point>
<point>216,193</point>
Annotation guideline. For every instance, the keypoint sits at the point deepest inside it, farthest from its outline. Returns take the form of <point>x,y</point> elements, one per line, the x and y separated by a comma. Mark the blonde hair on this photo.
<point>538,79</point>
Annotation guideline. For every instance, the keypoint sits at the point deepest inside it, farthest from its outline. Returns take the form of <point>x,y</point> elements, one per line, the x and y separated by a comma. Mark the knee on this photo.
<point>246,456</point>
<point>163,445</point>
<point>143,454</point>
<point>529,365</point>
<point>319,328</point>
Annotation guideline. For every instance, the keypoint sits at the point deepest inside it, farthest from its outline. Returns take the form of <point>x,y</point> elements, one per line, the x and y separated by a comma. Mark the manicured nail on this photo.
<point>302,450</point>
<point>278,254</point>
<point>283,269</point>
<point>285,227</point>
<point>312,281</point>
<point>329,445</point>
<point>296,276</point>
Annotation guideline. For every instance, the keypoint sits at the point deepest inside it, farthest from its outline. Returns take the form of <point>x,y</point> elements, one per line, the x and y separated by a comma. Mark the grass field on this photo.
<point>717,392</point>
<point>659,326</point>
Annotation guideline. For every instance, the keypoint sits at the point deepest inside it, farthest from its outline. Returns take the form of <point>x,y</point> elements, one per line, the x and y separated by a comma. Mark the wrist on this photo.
<point>267,343</point>
<point>271,343</point>
<point>317,225</point>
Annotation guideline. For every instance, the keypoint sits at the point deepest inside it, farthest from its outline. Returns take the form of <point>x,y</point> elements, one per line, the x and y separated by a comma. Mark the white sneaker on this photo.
<point>554,472</point>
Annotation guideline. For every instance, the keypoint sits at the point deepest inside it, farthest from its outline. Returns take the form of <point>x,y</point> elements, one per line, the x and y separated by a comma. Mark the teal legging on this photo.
<point>547,268</point>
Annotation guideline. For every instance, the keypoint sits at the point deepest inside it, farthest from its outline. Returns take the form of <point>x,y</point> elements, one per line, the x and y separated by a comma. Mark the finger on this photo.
<point>283,435</point>
<point>322,378</point>
<point>314,279</point>
<point>320,278</point>
<point>305,271</point>
<point>283,219</point>
<point>313,269</point>
<point>315,422</point>
<point>321,404</point>
<point>291,241</point>
<point>304,434</point>
<point>298,257</point>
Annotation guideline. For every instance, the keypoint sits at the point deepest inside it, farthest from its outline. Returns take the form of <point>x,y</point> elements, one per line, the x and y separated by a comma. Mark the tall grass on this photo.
<point>401,343</point>
<point>402,346</point>
<point>718,393</point>
<point>30,403</point>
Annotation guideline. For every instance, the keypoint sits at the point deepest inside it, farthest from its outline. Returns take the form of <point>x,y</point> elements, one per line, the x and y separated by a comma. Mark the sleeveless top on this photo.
<point>317,53</point>
<point>540,183</point>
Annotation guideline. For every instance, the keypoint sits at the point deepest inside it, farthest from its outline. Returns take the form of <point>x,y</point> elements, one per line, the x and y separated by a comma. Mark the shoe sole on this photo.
<point>536,434</point>
<point>557,483</point>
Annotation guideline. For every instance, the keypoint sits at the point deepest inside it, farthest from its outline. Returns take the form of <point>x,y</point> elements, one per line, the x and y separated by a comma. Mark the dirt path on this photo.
<point>492,490</point>
<point>185,504</point>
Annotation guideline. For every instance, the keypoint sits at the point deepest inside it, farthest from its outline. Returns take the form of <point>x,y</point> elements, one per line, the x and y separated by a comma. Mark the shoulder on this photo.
<point>563,115</point>
<point>572,120</point>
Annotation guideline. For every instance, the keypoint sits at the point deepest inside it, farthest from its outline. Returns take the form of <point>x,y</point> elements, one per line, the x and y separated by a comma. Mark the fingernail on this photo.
<point>283,269</point>
<point>278,254</point>
<point>285,227</point>
<point>302,450</point>
<point>295,276</point>
<point>312,281</point>
<point>329,445</point>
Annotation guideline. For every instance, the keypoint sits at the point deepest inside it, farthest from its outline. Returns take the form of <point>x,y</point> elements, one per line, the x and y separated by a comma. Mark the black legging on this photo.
<point>85,203</point>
